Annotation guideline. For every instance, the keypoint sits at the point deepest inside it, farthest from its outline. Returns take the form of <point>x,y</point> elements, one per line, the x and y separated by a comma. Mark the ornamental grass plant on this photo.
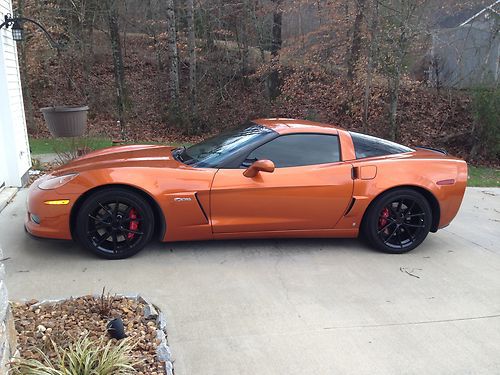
<point>83,357</point>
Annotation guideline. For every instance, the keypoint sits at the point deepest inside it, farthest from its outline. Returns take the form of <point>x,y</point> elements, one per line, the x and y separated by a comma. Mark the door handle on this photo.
<point>355,173</point>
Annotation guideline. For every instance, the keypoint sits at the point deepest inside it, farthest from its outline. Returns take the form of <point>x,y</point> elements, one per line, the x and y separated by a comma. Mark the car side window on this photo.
<point>295,150</point>
<point>367,146</point>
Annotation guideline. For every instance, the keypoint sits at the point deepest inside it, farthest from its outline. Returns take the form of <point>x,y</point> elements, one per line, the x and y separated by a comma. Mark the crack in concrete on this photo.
<point>323,330</point>
<point>472,242</point>
<point>416,323</point>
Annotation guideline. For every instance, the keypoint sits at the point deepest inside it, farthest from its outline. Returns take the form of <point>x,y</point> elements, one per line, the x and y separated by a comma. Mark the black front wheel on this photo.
<point>114,223</point>
<point>398,221</point>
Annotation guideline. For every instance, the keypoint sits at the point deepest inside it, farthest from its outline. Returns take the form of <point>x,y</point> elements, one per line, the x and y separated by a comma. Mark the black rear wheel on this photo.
<point>398,221</point>
<point>114,223</point>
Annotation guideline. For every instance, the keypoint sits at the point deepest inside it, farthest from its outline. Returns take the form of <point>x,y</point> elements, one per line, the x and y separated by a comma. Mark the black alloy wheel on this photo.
<point>115,223</point>
<point>398,221</point>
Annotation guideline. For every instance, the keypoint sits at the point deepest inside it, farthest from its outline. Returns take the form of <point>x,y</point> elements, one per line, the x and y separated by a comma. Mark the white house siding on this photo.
<point>15,158</point>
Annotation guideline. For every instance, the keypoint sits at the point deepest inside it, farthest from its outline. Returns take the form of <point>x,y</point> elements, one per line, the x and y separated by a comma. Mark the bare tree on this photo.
<point>87,51</point>
<point>357,34</point>
<point>273,79</point>
<point>373,31</point>
<point>401,24</point>
<point>119,70</point>
<point>243,37</point>
<point>192,57</point>
<point>152,30</point>
<point>173,56</point>
<point>80,17</point>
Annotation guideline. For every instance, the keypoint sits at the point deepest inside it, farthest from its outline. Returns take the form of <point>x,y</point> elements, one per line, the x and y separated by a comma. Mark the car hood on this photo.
<point>151,156</point>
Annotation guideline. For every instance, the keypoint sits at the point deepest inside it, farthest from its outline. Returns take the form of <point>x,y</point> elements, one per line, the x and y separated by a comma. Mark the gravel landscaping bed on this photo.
<point>63,322</point>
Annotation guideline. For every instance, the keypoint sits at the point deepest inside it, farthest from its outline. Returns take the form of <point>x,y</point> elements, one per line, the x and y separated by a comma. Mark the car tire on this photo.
<point>397,221</point>
<point>114,223</point>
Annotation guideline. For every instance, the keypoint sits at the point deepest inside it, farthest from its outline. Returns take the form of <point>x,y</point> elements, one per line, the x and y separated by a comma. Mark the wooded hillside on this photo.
<point>178,70</point>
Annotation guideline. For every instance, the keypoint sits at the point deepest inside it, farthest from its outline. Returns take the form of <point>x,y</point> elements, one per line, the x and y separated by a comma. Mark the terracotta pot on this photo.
<point>66,121</point>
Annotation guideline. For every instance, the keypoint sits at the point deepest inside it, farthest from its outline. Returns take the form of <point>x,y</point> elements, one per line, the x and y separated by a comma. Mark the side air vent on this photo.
<point>201,206</point>
<point>351,205</point>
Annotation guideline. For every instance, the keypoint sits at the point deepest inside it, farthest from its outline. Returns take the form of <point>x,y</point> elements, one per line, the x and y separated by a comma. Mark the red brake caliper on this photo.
<point>382,221</point>
<point>133,224</point>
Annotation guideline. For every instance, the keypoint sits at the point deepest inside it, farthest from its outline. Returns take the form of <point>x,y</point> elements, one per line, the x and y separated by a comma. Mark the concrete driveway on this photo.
<point>298,306</point>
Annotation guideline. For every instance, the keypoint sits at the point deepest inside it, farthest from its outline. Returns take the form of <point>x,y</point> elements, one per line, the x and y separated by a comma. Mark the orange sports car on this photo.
<point>266,178</point>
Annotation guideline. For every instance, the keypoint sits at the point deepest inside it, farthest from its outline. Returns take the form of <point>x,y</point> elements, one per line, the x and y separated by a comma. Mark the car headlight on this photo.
<point>58,181</point>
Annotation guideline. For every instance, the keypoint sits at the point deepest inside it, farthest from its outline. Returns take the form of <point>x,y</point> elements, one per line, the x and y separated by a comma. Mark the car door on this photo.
<point>310,188</point>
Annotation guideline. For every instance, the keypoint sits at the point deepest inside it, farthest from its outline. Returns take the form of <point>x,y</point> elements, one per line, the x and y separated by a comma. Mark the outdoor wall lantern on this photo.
<point>16,24</point>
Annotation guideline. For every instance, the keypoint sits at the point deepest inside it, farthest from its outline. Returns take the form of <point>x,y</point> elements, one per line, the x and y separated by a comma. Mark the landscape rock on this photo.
<point>150,312</point>
<point>163,353</point>
<point>161,321</point>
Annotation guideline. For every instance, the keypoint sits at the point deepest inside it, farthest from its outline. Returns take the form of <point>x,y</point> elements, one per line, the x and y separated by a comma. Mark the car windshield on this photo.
<point>210,152</point>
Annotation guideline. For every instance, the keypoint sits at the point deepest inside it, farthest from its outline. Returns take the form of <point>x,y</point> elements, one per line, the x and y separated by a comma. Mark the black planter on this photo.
<point>116,329</point>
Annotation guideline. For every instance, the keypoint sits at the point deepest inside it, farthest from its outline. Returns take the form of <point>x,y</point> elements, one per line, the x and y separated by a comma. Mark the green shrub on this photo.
<point>85,357</point>
<point>486,110</point>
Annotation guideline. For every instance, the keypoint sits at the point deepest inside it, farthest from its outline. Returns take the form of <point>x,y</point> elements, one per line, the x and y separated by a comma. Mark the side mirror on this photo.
<point>259,166</point>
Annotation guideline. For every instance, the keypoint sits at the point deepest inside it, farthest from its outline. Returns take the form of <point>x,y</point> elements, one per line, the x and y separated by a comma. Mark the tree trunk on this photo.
<point>125,16</point>
<point>394,85</point>
<point>274,79</point>
<point>173,56</point>
<point>369,66</point>
<point>356,40</point>
<point>152,31</point>
<point>87,52</point>
<point>243,40</point>
<point>192,57</point>
<point>119,71</point>
<point>207,30</point>
<point>28,102</point>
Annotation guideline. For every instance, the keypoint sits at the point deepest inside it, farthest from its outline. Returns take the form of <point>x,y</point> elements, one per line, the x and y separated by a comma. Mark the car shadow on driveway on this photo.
<point>45,247</point>
<point>254,246</point>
